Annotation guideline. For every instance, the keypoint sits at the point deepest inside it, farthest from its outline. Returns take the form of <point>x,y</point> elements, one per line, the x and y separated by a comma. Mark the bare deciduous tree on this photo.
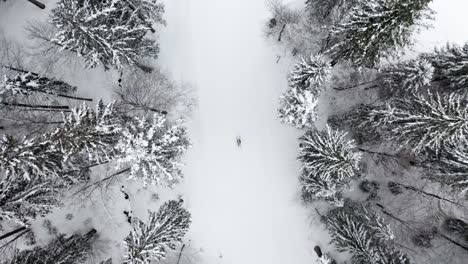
<point>154,92</point>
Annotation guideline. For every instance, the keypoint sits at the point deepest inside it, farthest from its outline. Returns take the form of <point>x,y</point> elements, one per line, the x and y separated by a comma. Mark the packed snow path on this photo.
<point>244,201</point>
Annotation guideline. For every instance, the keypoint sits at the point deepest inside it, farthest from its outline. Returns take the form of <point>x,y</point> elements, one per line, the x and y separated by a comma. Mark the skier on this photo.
<point>239,141</point>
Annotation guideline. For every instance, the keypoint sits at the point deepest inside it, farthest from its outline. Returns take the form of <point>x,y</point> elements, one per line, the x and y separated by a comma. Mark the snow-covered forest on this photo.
<point>226,132</point>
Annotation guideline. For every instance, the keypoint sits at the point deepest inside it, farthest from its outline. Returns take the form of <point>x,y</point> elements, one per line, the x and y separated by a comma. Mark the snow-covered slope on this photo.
<point>244,200</point>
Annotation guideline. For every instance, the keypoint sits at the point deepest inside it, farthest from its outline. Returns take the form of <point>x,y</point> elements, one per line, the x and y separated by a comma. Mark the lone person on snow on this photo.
<point>239,141</point>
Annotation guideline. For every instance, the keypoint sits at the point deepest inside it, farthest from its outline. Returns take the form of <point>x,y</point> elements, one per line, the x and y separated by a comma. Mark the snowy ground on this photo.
<point>244,201</point>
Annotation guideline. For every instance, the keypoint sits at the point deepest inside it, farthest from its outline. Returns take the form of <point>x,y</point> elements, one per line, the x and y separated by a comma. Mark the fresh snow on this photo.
<point>244,201</point>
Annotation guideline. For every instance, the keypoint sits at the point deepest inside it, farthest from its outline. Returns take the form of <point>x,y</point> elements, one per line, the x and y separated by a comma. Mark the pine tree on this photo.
<point>329,11</point>
<point>94,132</point>
<point>52,154</point>
<point>64,250</point>
<point>24,200</point>
<point>407,77</point>
<point>329,163</point>
<point>35,170</point>
<point>29,158</point>
<point>164,229</point>
<point>28,83</point>
<point>423,124</point>
<point>153,148</point>
<point>298,108</point>
<point>451,64</point>
<point>108,32</point>
<point>313,71</point>
<point>376,29</point>
<point>451,168</point>
<point>363,234</point>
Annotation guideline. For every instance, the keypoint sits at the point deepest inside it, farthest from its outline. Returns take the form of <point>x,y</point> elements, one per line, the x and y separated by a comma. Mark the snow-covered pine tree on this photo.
<point>422,123</point>
<point>67,250</point>
<point>312,71</point>
<point>298,108</point>
<point>376,29</point>
<point>363,234</point>
<point>329,163</point>
<point>406,77</point>
<point>52,154</point>
<point>23,200</point>
<point>29,158</point>
<point>153,147</point>
<point>94,132</point>
<point>164,229</point>
<point>329,11</point>
<point>111,33</point>
<point>451,64</point>
<point>451,168</point>
<point>27,83</point>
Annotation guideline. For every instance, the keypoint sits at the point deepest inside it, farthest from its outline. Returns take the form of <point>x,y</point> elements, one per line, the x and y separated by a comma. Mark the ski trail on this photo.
<point>244,201</point>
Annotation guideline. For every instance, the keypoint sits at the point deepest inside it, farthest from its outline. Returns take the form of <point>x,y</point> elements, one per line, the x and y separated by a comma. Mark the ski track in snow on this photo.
<point>244,201</point>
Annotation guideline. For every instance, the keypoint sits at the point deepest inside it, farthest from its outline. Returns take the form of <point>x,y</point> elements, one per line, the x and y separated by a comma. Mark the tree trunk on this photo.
<point>50,107</point>
<point>408,226</point>
<point>37,3</point>
<point>75,97</point>
<point>13,232</point>
<point>281,32</point>
<point>378,153</point>
<point>180,253</point>
<point>157,111</point>
<point>414,189</point>
<point>356,85</point>
<point>144,68</point>
<point>19,70</point>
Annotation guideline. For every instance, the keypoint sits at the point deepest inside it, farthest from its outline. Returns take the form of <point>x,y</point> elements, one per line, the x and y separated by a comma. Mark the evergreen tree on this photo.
<point>313,71</point>
<point>61,250</point>
<point>108,32</point>
<point>94,132</point>
<point>35,170</point>
<point>363,234</point>
<point>376,29</point>
<point>164,229</point>
<point>28,83</point>
<point>329,163</point>
<point>52,154</point>
<point>329,11</point>
<point>451,64</point>
<point>298,108</point>
<point>153,148</point>
<point>23,200</point>
<point>451,168</point>
<point>423,124</point>
<point>29,158</point>
<point>406,77</point>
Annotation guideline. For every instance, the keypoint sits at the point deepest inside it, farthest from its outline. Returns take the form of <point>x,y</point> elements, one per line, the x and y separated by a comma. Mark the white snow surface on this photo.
<point>244,201</point>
